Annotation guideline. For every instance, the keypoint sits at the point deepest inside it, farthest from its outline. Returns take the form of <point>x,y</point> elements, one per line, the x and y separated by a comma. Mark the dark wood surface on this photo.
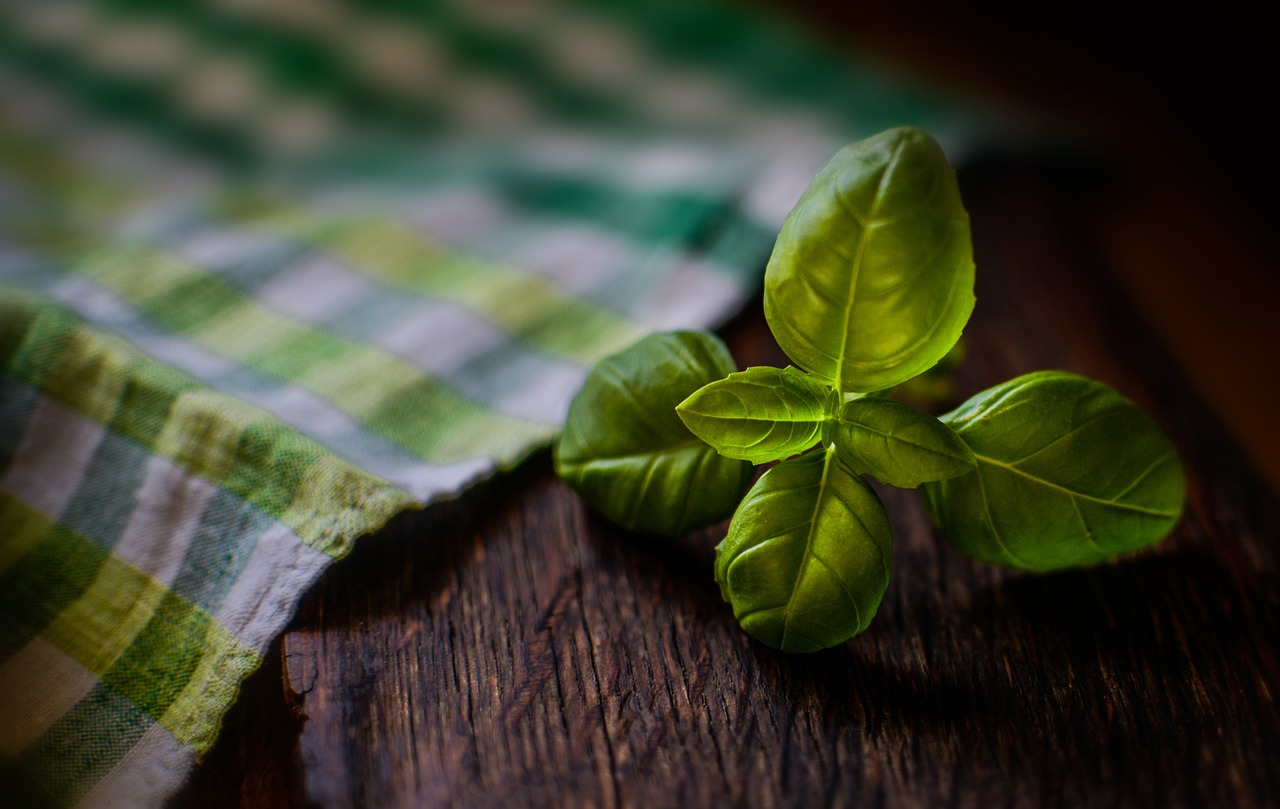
<point>510,649</point>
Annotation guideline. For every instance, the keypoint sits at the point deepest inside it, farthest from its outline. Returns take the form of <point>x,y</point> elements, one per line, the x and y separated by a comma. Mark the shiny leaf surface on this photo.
<point>807,557</point>
<point>899,445</point>
<point>627,453</point>
<point>871,278</point>
<point>760,414</point>
<point>1069,473</point>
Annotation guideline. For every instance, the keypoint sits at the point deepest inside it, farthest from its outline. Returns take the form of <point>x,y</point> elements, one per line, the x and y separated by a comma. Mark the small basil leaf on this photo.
<point>1069,473</point>
<point>871,278</point>
<point>807,557</point>
<point>760,414</point>
<point>899,445</point>
<point>626,452</point>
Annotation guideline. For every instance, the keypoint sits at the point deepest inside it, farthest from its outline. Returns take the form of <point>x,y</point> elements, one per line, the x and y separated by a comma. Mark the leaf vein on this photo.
<point>1068,434</point>
<point>808,543</point>
<point>844,585</point>
<point>1146,473</point>
<point>995,531</point>
<point>1088,533</point>
<point>1071,492</point>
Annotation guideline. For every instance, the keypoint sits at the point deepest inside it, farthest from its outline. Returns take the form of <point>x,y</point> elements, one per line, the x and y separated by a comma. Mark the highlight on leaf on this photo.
<point>760,414</point>
<point>806,561</point>
<point>871,279</point>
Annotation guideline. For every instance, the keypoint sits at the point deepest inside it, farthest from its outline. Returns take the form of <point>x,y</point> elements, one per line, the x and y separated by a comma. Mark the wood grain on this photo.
<point>510,649</point>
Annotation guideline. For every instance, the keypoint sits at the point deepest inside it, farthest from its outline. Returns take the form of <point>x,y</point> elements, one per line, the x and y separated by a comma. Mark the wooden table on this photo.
<point>510,649</point>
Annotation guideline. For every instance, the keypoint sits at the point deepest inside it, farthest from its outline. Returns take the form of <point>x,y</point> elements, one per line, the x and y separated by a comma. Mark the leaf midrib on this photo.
<point>891,437</point>
<point>712,415</point>
<point>663,450</point>
<point>856,270</point>
<point>1070,492</point>
<point>808,552</point>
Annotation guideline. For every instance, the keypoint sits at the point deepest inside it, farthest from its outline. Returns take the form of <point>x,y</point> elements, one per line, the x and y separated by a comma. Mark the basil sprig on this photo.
<point>869,286</point>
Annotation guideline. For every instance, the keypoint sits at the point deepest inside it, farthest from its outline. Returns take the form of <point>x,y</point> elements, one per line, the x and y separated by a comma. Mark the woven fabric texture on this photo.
<point>271,273</point>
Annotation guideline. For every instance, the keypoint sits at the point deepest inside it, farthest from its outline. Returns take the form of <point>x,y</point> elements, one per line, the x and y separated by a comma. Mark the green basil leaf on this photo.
<point>871,278</point>
<point>760,414</point>
<point>1069,473</point>
<point>899,445</point>
<point>626,452</point>
<point>807,557</point>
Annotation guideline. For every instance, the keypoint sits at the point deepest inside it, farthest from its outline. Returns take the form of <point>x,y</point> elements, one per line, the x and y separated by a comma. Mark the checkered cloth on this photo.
<point>272,272</point>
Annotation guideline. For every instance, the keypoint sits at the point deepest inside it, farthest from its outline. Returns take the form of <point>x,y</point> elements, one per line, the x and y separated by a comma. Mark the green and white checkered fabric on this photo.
<point>272,272</point>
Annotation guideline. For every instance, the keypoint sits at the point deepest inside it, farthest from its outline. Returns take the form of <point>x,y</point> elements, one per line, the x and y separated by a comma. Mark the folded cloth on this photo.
<point>270,273</point>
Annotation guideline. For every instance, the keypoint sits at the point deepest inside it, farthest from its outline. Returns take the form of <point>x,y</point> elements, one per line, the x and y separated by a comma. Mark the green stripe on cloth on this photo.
<point>46,579</point>
<point>98,626</point>
<point>140,655</point>
<point>61,761</point>
<point>212,381</point>
<point>124,97</point>
<point>366,383</point>
<point>24,528</point>
<point>267,465</point>
<point>182,660</point>
<point>522,303</point>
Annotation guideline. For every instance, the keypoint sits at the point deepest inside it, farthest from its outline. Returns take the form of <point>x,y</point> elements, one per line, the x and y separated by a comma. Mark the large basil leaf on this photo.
<point>871,278</point>
<point>1069,472</point>
<point>626,452</point>
<point>761,414</point>
<point>899,445</point>
<point>807,557</point>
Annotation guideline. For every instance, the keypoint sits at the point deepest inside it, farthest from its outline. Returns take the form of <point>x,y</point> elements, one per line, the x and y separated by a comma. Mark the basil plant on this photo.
<point>869,286</point>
